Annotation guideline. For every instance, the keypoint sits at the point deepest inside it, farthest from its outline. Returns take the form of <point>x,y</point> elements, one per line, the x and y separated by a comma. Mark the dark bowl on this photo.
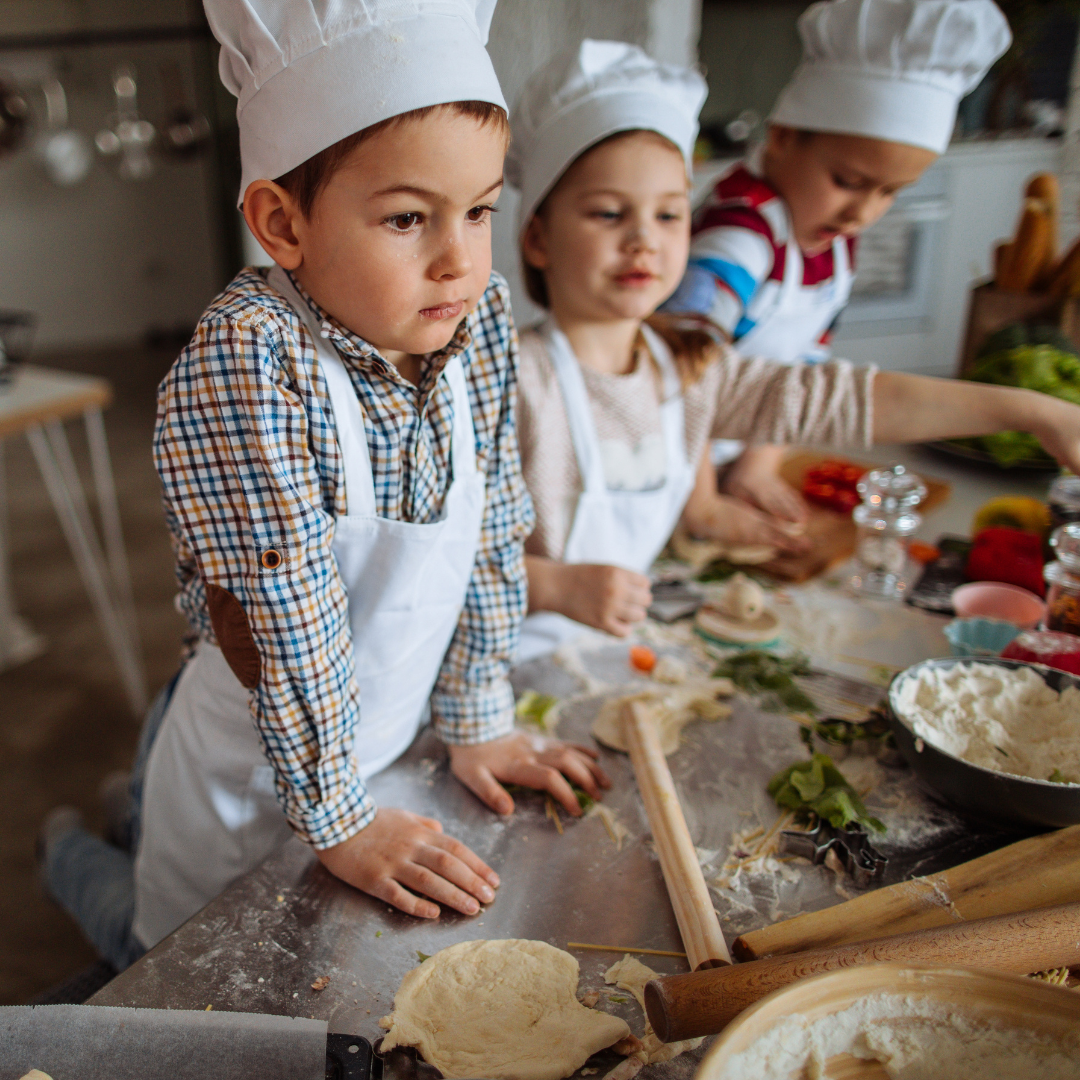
<point>1016,800</point>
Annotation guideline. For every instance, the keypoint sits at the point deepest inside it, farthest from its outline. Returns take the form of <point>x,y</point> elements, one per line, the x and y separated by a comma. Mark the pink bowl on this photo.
<point>996,600</point>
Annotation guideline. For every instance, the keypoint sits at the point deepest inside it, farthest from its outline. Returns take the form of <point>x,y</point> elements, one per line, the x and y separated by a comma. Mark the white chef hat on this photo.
<point>309,73</point>
<point>891,69</point>
<point>585,94</point>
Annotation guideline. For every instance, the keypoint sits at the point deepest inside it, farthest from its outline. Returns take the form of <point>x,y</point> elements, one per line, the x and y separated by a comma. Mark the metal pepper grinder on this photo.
<point>886,518</point>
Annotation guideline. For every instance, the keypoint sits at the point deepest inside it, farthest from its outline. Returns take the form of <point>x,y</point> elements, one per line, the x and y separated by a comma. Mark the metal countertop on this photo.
<point>259,946</point>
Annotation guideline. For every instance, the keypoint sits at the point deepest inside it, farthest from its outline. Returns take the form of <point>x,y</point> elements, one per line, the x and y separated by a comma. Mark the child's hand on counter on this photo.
<point>608,598</point>
<point>400,855</point>
<point>531,761</point>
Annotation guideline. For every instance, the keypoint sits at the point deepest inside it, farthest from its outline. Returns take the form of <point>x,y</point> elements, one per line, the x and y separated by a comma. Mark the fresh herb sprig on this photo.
<point>770,676</point>
<point>835,731</point>
<point>818,787</point>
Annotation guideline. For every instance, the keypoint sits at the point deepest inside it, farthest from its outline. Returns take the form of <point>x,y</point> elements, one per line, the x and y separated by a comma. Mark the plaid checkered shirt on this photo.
<point>248,459</point>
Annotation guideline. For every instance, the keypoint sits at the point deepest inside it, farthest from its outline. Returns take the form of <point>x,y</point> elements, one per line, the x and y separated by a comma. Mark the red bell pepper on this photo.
<point>1007,555</point>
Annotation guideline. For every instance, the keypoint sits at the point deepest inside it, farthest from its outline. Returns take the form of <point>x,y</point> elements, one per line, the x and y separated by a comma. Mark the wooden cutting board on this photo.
<point>832,535</point>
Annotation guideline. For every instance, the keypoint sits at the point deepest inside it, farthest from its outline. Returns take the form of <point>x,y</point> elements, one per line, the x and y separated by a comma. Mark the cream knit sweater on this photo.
<point>737,397</point>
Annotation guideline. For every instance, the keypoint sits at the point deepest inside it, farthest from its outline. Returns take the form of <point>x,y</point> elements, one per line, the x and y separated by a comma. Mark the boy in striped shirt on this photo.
<point>869,110</point>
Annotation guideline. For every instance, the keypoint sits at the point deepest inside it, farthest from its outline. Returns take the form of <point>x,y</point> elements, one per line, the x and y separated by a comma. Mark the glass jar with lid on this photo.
<point>885,518</point>
<point>1063,499</point>
<point>1063,580</point>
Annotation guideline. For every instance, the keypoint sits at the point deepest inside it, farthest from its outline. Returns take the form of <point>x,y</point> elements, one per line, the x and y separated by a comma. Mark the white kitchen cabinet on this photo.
<point>972,195</point>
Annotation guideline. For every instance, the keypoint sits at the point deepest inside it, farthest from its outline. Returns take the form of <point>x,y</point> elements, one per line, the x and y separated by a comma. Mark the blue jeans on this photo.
<point>94,881</point>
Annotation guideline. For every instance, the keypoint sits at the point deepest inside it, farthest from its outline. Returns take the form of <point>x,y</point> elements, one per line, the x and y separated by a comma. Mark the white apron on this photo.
<point>615,528</point>
<point>801,313</point>
<point>210,812</point>
<point>791,326</point>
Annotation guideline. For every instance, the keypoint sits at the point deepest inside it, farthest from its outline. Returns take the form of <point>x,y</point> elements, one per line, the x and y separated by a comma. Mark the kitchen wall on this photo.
<point>107,261</point>
<point>749,48</point>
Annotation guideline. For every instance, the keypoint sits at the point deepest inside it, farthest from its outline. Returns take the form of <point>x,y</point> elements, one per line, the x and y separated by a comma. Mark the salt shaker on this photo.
<point>886,518</point>
<point>1063,580</point>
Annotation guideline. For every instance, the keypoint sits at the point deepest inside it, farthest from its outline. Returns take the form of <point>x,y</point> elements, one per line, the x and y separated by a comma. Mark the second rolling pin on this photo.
<point>704,1002</point>
<point>698,925</point>
<point>1039,872</point>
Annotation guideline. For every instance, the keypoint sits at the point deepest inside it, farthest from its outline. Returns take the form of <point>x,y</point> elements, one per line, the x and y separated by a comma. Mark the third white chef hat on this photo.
<point>891,69</point>
<point>585,94</point>
<point>308,73</point>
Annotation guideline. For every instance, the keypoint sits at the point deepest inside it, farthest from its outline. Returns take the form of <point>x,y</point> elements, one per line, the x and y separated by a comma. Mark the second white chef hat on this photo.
<point>891,69</point>
<point>308,73</point>
<point>584,95</point>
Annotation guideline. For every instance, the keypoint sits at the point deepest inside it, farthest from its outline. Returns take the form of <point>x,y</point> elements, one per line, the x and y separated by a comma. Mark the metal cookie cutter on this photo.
<point>852,846</point>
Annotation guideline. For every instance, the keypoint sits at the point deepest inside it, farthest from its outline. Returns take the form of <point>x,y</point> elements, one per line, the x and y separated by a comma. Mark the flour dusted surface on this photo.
<point>1000,718</point>
<point>914,1037</point>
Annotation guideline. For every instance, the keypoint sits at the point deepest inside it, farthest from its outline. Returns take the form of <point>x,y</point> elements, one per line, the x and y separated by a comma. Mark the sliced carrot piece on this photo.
<point>642,658</point>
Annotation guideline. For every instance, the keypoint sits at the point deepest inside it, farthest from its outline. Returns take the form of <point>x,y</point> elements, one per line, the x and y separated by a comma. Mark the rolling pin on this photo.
<point>704,1002</point>
<point>1038,872</point>
<point>700,929</point>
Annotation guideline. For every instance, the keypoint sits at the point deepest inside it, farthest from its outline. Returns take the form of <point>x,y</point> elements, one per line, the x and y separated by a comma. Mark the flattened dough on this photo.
<point>503,1010</point>
<point>699,553</point>
<point>674,707</point>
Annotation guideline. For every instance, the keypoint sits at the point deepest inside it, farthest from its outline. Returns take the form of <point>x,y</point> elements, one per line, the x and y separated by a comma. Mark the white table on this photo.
<point>36,403</point>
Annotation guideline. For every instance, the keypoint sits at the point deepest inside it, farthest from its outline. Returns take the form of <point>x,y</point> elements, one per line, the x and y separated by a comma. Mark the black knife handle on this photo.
<point>348,1057</point>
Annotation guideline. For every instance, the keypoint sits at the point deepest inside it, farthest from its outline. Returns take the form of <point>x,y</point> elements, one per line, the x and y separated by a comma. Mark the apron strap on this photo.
<point>841,266</point>
<point>661,353</point>
<point>576,401</point>
<point>463,435</point>
<point>672,409</point>
<point>348,416</point>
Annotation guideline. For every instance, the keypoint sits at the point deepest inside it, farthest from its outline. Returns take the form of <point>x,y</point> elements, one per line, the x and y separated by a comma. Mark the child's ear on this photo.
<point>534,244</point>
<point>780,138</point>
<point>271,213</point>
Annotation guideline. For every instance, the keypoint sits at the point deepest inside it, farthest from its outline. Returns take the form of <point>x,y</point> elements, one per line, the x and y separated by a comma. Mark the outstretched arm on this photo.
<point>920,408</point>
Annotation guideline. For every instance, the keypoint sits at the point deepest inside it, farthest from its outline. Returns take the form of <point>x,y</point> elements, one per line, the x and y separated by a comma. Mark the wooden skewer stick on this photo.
<point>623,949</point>
<point>689,895</point>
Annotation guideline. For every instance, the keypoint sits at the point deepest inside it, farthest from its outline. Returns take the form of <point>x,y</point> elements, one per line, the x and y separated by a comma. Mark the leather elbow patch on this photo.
<point>234,636</point>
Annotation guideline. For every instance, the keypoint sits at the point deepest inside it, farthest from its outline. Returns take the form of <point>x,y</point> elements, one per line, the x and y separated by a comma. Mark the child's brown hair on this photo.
<point>694,341</point>
<point>309,177</point>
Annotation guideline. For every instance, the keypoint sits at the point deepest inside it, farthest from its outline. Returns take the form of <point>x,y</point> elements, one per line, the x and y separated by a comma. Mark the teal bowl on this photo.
<point>979,636</point>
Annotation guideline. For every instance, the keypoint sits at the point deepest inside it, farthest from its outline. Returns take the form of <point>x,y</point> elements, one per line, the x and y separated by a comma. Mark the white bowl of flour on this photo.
<point>1000,738</point>
<point>905,1022</point>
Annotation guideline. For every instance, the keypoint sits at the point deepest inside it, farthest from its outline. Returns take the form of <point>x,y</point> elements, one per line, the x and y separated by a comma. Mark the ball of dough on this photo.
<point>504,1010</point>
<point>743,600</point>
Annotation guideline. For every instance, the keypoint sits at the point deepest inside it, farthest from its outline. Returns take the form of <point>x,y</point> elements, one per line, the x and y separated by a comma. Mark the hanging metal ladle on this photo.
<point>65,152</point>
<point>126,134</point>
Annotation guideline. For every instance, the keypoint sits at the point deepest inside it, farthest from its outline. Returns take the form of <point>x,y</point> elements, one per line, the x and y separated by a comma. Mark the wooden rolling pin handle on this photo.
<point>704,1002</point>
<point>689,895</point>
